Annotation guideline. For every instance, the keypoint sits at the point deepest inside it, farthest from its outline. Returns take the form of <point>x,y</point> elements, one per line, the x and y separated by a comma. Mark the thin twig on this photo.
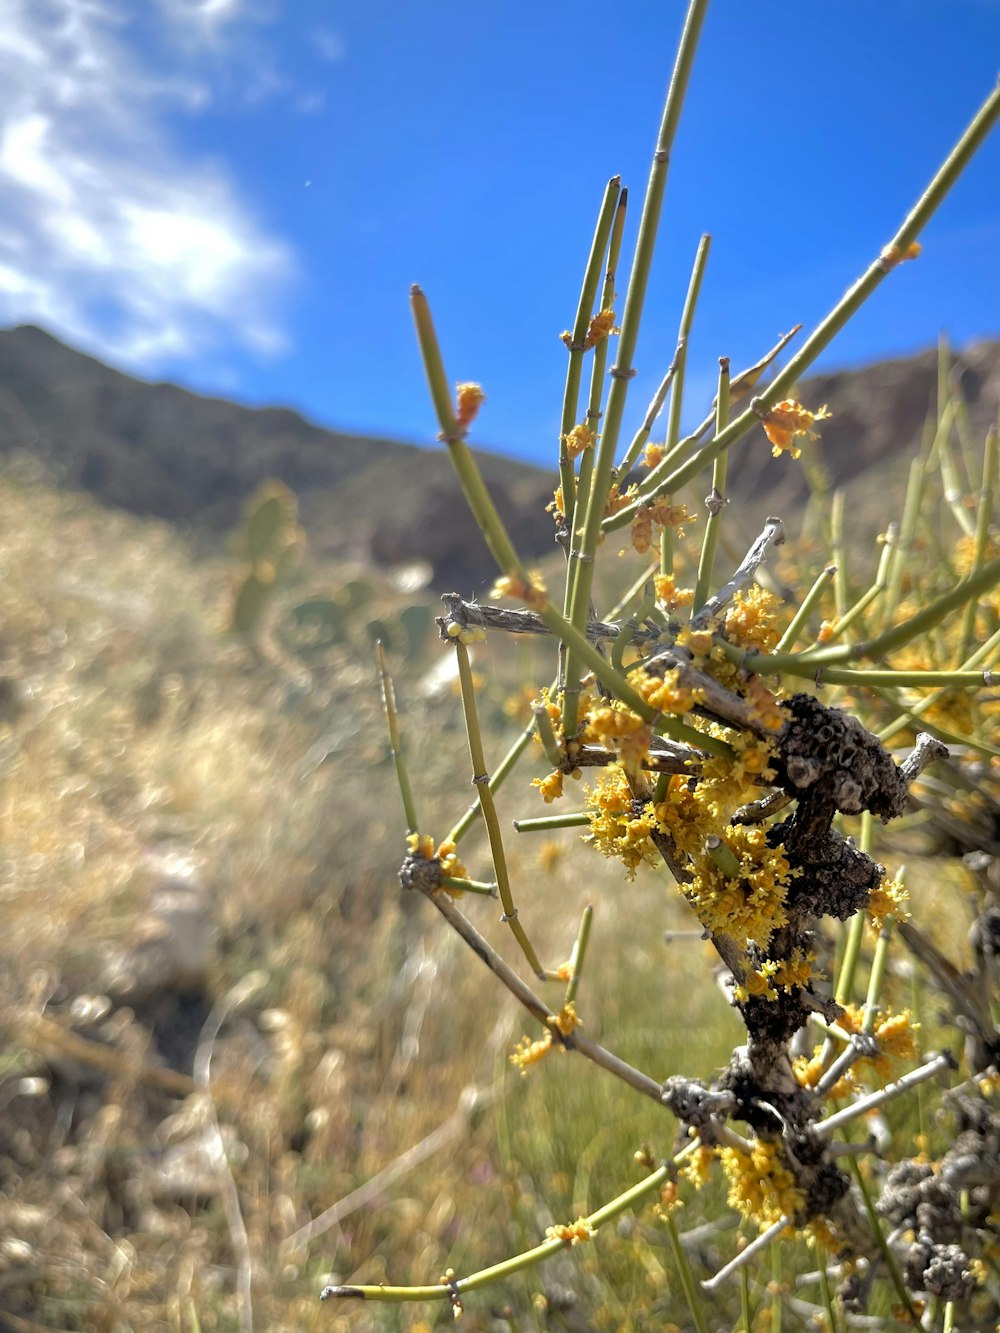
<point>234,998</point>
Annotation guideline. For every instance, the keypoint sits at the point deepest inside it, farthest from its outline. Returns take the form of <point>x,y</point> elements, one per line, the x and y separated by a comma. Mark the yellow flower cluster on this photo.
<point>751,620</point>
<point>617,725</point>
<point>580,437</point>
<point>892,255</point>
<point>788,421</point>
<point>550,787</point>
<point>668,593</point>
<point>653,455</point>
<point>895,1036</point>
<point>684,815</point>
<point>777,974</point>
<point>532,592</point>
<point>750,906</point>
<point>468,400</point>
<point>527,1052</point>
<point>766,706</point>
<point>698,1167</point>
<point>669,1200</point>
<point>614,828</point>
<point>666,694</point>
<point>602,324</point>
<point>468,635</point>
<point>662,514</point>
<point>618,499</point>
<point>889,899</point>
<point>450,862</point>
<point>422,844</point>
<point>761,1186</point>
<point>573,1234</point>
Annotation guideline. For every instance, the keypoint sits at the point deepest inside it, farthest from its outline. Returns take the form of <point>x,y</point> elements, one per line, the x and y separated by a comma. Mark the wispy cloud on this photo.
<point>109,234</point>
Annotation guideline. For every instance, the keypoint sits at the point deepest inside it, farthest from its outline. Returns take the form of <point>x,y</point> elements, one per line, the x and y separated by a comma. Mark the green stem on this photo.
<point>485,1276</point>
<point>579,954</point>
<point>915,485</point>
<point>597,370</point>
<point>691,1292</point>
<point>621,372</point>
<point>838,551</point>
<point>984,520</point>
<point>876,978</point>
<point>470,479</point>
<point>982,654</point>
<point>395,743</point>
<point>887,1254</point>
<point>548,737</point>
<point>848,618</point>
<point>814,665</point>
<point>683,334</point>
<point>918,217</point>
<point>482,782</point>
<point>802,615</point>
<point>717,499</point>
<point>580,819</point>
<point>468,885</point>
<point>980,581</point>
<point>503,770</point>
<point>574,369</point>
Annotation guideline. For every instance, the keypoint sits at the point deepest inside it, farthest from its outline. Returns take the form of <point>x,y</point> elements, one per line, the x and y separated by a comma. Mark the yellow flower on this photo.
<point>761,1186</point>
<point>892,255</point>
<point>532,593</point>
<point>788,421</point>
<point>451,864</point>
<point>669,594</point>
<point>653,454</point>
<point>468,400</point>
<point>580,437</point>
<point>573,1234</point>
<point>601,325</point>
<point>551,787</point>
<point>663,515</point>
<point>566,1020</point>
<point>889,899</point>
<point>421,844</point>
<point>751,620</point>
<point>528,1052</point>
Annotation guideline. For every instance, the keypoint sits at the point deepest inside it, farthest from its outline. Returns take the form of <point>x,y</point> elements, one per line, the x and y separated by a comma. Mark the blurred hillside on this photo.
<point>157,450</point>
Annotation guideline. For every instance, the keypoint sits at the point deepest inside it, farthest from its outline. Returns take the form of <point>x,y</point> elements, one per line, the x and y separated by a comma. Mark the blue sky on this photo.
<point>237,194</point>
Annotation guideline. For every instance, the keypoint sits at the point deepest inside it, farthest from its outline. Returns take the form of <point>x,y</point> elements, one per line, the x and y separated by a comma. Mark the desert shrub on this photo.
<point>749,731</point>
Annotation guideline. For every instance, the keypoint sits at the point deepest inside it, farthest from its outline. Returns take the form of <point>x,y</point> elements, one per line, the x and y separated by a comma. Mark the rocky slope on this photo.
<point>156,449</point>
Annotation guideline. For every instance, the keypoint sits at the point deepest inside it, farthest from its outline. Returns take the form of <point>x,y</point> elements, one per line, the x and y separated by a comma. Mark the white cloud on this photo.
<point>109,234</point>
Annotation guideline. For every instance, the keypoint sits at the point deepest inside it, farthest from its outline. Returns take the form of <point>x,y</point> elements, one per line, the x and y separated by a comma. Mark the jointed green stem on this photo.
<point>717,499</point>
<point>887,642</point>
<point>801,617</point>
<point>984,520</point>
<point>918,217</point>
<point>586,545</point>
<point>574,370</point>
<point>545,822</point>
<point>395,744</point>
<point>579,954</point>
<point>482,781</point>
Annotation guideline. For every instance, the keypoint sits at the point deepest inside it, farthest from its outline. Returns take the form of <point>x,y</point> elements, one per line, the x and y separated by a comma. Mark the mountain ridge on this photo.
<point>159,450</point>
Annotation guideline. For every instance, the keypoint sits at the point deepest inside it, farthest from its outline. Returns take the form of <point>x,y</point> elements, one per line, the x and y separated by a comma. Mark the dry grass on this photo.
<point>139,742</point>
